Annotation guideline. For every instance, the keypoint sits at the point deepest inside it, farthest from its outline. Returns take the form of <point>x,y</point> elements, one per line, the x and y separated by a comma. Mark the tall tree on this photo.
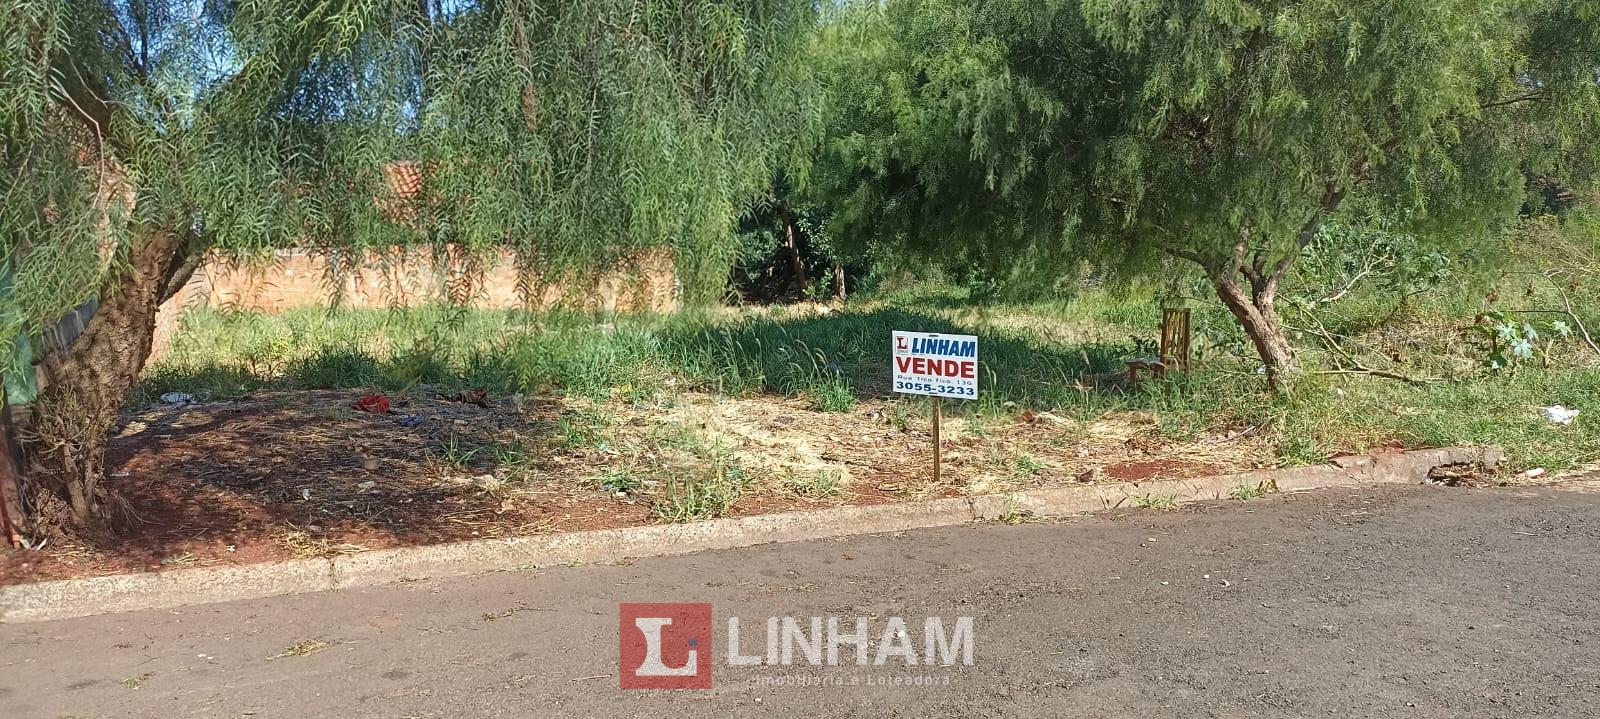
<point>140,135</point>
<point>1029,137</point>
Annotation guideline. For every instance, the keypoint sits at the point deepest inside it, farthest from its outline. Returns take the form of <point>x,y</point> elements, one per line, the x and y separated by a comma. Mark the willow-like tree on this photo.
<point>141,135</point>
<point>1033,138</point>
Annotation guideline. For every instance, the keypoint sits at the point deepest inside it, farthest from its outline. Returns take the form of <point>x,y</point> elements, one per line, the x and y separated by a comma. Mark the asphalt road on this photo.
<point>1391,602</point>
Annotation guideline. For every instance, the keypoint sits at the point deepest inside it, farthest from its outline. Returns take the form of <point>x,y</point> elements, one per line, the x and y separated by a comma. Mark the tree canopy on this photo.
<point>576,131</point>
<point>1029,137</point>
<point>139,135</point>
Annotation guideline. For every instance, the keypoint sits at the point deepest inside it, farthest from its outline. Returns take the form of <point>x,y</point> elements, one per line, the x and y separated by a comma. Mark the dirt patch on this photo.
<point>300,474</point>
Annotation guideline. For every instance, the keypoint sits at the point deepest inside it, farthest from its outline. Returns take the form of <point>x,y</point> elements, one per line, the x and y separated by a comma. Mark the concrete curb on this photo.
<point>161,590</point>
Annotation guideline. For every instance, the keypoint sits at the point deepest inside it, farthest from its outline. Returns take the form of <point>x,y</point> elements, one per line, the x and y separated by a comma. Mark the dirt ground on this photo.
<point>303,474</point>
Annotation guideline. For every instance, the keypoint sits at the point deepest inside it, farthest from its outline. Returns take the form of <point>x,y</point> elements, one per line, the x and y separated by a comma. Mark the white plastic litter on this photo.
<point>1558,414</point>
<point>177,398</point>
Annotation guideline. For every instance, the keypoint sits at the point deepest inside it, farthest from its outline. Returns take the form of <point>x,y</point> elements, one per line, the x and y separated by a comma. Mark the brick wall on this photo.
<point>297,278</point>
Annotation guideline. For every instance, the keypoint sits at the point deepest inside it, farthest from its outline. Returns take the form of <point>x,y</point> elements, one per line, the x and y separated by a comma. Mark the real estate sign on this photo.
<point>936,365</point>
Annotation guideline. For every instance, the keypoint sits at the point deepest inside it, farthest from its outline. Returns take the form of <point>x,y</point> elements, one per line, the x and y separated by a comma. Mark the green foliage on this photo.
<point>1515,301</point>
<point>1025,464</point>
<point>1245,492</point>
<point>833,395</point>
<point>1059,357</point>
<point>581,430</point>
<point>1035,144</point>
<point>1508,343</point>
<point>1163,502</point>
<point>1035,135</point>
<point>578,133</point>
<point>619,479</point>
<point>765,271</point>
<point>512,456</point>
<point>704,494</point>
<point>459,452</point>
<point>818,484</point>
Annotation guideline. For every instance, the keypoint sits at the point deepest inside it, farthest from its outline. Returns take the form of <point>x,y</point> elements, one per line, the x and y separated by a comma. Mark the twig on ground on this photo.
<point>1361,370</point>
<point>1347,364</point>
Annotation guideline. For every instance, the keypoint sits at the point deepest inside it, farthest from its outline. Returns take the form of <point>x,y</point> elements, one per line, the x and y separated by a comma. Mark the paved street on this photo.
<point>1391,602</point>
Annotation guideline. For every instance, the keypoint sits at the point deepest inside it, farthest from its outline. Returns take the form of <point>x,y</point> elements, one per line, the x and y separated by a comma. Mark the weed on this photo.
<point>138,681</point>
<point>458,451</point>
<point>702,495</point>
<point>1017,514</point>
<point>900,416</point>
<point>977,425</point>
<point>582,430</point>
<point>302,648</point>
<point>681,437</point>
<point>737,477</point>
<point>618,479</point>
<point>1026,464</point>
<point>1163,502</point>
<point>693,498</point>
<point>1249,491</point>
<point>512,454</point>
<point>1296,448</point>
<point>833,395</point>
<point>1051,356</point>
<point>815,484</point>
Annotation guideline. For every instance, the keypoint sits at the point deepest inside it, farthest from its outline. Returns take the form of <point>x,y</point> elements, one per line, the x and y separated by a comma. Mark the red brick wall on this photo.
<point>297,278</point>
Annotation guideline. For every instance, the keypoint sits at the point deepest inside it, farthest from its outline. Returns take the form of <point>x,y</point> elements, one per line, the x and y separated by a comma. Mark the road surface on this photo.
<point>1390,602</point>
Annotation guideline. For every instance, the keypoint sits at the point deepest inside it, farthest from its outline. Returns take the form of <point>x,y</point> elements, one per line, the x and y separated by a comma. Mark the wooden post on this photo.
<point>1175,338</point>
<point>936,462</point>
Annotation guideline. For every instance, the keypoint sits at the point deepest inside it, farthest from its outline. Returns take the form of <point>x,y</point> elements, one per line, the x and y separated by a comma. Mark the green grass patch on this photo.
<point>1064,356</point>
<point>1162,502</point>
<point>818,484</point>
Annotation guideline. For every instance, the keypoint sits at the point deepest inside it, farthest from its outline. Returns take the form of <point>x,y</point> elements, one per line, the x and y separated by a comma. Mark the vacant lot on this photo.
<point>587,422</point>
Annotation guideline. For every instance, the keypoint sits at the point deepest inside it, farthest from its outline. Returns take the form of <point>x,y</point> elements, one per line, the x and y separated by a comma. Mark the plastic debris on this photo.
<point>1534,473</point>
<point>411,420</point>
<point>375,403</point>
<point>1558,414</point>
<point>177,398</point>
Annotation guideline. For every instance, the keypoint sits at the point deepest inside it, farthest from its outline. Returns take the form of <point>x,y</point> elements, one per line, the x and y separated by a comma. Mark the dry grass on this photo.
<point>302,648</point>
<point>302,544</point>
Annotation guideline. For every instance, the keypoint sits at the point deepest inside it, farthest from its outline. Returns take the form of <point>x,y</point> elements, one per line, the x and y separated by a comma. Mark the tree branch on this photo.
<point>85,96</point>
<point>1182,254</point>
<point>1358,369</point>
<point>1346,363</point>
<point>185,263</point>
<point>1332,196</point>
<point>1529,97</point>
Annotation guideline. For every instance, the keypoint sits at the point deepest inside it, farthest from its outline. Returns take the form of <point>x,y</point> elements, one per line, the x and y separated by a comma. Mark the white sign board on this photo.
<point>936,365</point>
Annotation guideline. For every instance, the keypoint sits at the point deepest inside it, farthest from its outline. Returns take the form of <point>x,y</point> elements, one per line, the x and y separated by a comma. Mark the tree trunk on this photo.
<point>74,413</point>
<point>791,242</point>
<point>1256,314</point>
<point>838,281</point>
<point>10,479</point>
